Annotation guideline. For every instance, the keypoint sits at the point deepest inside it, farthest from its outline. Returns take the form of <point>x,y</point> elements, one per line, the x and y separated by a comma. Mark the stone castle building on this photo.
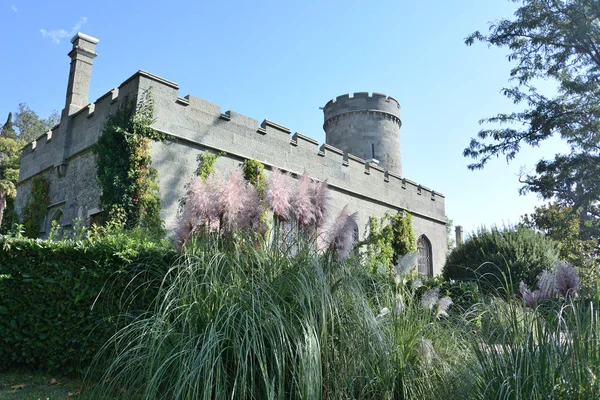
<point>360,157</point>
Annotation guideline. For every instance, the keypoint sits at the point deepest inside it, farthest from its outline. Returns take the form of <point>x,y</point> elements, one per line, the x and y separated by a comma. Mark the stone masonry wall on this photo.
<point>194,125</point>
<point>367,126</point>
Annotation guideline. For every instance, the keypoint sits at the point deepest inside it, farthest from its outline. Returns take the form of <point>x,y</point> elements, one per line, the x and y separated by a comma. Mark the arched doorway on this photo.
<point>424,257</point>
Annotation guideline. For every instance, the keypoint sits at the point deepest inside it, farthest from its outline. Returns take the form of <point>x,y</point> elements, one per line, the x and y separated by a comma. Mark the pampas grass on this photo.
<point>252,324</point>
<point>280,189</point>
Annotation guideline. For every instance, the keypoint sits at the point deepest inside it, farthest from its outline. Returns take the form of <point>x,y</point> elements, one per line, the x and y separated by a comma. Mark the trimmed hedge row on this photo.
<point>61,300</point>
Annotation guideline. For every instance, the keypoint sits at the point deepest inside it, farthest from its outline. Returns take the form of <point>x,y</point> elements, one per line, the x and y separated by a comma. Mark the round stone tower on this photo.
<point>367,127</point>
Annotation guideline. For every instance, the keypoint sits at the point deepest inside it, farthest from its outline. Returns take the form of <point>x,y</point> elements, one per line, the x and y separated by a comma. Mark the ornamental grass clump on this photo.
<point>563,282</point>
<point>430,351</point>
<point>231,206</point>
<point>248,323</point>
<point>548,352</point>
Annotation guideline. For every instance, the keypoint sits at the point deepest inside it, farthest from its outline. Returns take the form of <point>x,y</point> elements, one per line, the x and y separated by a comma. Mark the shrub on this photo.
<point>59,300</point>
<point>498,258</point>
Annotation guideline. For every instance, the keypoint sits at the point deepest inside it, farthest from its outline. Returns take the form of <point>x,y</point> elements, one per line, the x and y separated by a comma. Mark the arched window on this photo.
<point>424,259</point>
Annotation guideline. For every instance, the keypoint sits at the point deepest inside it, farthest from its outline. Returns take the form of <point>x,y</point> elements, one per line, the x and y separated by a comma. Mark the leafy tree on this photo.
<point>10,155</point>
<point>556,40</point>
<point>450,241</point>
<point>26,127</point>
<point>30,126</point>
<point>562,224</point>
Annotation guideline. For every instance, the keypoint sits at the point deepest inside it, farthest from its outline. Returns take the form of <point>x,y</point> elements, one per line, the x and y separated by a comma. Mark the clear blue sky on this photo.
<point>283,60</point>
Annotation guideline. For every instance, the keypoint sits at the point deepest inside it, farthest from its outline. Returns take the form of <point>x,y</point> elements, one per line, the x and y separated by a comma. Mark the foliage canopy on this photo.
<point>554,40</point>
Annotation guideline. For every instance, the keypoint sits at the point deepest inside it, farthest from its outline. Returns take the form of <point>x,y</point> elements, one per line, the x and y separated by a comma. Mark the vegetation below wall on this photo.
<point>61,300</point>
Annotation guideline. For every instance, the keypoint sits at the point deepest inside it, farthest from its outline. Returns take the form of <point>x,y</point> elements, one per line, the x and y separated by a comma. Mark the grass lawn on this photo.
<point>37,385</point>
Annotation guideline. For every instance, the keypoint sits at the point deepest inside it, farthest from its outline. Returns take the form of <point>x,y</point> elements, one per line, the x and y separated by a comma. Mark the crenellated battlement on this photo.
<point>197,122</point>
<point>360,158</point>
<point>361,102</point>
<point>205,126</point>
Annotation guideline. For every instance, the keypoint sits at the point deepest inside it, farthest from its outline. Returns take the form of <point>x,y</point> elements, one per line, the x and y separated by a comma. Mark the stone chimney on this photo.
<point>82,57</point>
<point>458,230</point>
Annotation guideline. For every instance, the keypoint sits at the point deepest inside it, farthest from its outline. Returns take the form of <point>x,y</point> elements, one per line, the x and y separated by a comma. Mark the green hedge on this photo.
<point>494,256</point>
<point>60,301</point>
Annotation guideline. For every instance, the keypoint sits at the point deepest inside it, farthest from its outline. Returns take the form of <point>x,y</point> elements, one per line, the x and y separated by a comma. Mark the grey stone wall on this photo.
<point>365,126</point>
<point>73,191</point>
<point>194,125</point>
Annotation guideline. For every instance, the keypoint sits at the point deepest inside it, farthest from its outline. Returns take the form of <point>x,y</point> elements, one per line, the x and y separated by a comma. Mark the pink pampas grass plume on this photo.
<point>320,199</point>
<point>200,208</point>
<point>231,200</point>
<point>251,211</point>
<point>280,188</point>
<point>342,234</point>
<point>215,184</point>
<point>566,280</point>
<point>302,205</point>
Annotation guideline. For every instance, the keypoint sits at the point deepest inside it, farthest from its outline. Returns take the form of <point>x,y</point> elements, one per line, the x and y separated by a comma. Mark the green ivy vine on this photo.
<point>35,208</point>
<point>389,238</point>
<point>130,192</point>
<point>206,163</point>
<point>254,172</point>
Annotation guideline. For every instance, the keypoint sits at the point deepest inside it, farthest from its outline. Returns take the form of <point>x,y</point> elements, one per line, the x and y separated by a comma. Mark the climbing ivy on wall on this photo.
<point>35,208</point>
<point>254,172</point>
<point>389,238</point>
<point>130,193</point>
<point>206,163</point>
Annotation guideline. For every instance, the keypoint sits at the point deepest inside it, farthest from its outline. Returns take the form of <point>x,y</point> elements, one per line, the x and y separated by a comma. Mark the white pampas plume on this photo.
<point>546,286</point>
<point>406,263</point>
<point>426,351</point>
<point>430,298</point>
<point>529,297</point>
<point>566,279</point>
<point>442,307</point>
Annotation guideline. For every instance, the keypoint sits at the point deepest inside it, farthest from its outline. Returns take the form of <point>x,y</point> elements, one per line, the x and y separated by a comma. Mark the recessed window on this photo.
<point>424,256</point>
